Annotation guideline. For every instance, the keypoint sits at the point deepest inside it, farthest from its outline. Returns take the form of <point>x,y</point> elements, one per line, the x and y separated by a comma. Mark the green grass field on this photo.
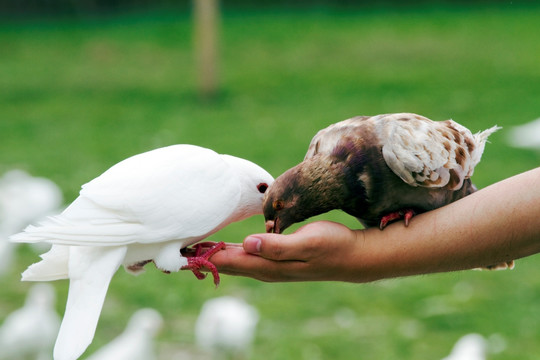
<point>77,97</point>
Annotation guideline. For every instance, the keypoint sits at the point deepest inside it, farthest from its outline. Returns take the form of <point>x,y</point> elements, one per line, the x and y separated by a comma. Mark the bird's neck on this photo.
<point>325,190</point>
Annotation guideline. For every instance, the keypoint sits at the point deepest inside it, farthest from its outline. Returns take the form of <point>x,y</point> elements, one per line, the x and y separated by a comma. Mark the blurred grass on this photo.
<point>77,97</point>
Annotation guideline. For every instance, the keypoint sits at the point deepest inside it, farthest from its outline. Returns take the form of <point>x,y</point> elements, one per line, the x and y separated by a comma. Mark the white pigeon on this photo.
<point>23,199</point>
<point>143,209</point>
<point>29,332</point>
<point>137,340</point>
<point>469,347</point>
<point>525,135</point>
<point>226,327</point>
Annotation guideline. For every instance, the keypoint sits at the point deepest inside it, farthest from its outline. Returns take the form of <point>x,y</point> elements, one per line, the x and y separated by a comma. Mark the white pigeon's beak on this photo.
<point>270,226</point>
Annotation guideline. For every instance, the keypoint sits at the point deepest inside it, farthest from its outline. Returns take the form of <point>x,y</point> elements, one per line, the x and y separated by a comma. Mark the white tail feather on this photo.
<point>481,138</point>
<point>54,266</point>
<point>90,272</point>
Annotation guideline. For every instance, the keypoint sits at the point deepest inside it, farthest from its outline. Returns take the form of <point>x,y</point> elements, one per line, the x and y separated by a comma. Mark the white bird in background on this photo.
<point>23,199</point>
<point>143,209</point>
<point>29,332</point>
<point>226,327</point>
<point>469,347</point>
<point>526,135</point>
<point>137,340</point>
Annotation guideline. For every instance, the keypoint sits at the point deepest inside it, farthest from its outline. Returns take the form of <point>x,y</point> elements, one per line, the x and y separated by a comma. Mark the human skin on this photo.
<point>494,225</point>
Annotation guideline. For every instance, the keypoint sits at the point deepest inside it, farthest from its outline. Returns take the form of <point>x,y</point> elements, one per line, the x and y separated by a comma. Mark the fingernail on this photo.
<point>252,244</point>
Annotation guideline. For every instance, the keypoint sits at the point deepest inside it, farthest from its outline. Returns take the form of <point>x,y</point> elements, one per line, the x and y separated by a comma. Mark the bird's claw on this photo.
<point>200,260</point>
<point>405,214</point>
<point>408,216</point>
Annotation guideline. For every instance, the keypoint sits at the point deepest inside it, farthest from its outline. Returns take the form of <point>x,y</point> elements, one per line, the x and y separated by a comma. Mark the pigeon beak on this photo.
<point>270,226</point>
<point>273,226</point>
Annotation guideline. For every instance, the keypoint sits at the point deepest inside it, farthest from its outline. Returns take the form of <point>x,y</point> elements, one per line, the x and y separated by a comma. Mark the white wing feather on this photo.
<point>177,204</point>
<point>414,147</point>
<point>430,153</point>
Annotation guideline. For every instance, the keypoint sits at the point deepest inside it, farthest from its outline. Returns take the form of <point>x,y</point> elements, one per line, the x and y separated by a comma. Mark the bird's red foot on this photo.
<point>200,260</point>
<point>405,214</point>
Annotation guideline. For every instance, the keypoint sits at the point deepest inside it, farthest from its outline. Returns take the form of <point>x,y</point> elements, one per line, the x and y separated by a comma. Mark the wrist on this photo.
<point>367,259</point>
<point>384,254</point>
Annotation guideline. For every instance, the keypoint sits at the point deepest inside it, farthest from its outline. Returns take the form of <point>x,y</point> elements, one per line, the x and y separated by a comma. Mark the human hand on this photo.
<point>321,250</point>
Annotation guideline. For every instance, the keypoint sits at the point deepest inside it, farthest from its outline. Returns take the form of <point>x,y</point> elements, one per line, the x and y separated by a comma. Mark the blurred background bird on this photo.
<point>137,340</point>
<point>525,135</point>
<point>23,199</point>
<point>30,332</point>
<point>226,328</point>
<point>469,347</point>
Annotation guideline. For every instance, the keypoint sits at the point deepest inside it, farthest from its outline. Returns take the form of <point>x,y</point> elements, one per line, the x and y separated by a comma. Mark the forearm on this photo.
<point>496,224</point>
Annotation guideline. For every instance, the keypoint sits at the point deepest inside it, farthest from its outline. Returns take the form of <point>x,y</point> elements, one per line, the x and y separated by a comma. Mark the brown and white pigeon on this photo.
<point>378,169</point>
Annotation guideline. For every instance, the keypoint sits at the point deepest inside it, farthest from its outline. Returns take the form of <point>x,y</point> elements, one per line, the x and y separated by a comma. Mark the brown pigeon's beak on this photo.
<point>270,226</point>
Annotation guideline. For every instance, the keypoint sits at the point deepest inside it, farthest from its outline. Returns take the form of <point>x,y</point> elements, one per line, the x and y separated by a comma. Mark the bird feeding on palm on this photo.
<point>377,169</point>
<point>143,209</point>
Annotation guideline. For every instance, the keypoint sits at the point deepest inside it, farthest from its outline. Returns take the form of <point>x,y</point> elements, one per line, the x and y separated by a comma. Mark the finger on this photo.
<point>275,247</point>
<point>235,261</point>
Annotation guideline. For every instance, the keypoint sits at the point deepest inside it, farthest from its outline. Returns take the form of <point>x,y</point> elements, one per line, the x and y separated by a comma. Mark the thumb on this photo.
<point>273,246</point>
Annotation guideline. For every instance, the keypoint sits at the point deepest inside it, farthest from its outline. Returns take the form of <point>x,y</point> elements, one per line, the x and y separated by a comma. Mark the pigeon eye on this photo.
<point>278,205</point>
<point>262,187</point>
